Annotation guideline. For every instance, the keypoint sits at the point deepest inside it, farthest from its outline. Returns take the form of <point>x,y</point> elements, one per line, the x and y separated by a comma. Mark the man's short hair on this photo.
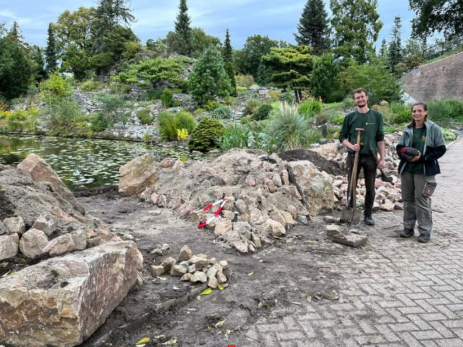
<point>359,90</point>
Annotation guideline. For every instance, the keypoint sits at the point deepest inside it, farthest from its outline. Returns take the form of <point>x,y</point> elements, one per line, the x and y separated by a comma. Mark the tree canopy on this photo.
<point>356,26</point>
<point>313,27</point>
<point>437,15</point>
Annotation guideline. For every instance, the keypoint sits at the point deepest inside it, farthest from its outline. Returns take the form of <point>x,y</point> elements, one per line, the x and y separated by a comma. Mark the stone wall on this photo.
<point>442,79</point>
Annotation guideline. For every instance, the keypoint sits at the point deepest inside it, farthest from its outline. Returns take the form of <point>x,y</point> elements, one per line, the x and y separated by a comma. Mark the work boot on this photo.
<point>406,233</point>
<point>369,220</point>
<point>424,238</point>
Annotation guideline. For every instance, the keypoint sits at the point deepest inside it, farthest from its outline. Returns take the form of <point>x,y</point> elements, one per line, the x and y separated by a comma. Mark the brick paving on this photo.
<point>394,292</point>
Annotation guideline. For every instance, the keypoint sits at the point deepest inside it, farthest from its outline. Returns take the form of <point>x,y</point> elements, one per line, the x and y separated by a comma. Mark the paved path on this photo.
<point>394,292</point>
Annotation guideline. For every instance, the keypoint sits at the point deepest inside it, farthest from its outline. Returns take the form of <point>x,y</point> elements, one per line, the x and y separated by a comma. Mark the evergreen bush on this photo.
<point>222,112</point>
<point>167,98</point>
<point>145,117</point>
<point>168,129</point>
<point>206,135</point>
<point>262,112</point>
<point>185,120</point>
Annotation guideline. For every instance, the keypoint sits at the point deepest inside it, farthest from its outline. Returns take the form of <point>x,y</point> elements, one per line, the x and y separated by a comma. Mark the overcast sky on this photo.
<point>277,19</point>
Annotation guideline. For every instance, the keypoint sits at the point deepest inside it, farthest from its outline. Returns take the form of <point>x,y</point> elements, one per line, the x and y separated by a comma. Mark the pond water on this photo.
<point>80,162</point>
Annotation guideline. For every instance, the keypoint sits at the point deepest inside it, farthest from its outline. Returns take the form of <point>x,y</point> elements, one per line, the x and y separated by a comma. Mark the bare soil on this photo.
<point>293,269</point>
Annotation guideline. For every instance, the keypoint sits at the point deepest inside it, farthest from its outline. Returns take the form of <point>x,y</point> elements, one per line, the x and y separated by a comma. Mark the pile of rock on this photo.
<point>193,268</point>
<point>264,195</point>
<point>42,215</point>
<point>62,300</point>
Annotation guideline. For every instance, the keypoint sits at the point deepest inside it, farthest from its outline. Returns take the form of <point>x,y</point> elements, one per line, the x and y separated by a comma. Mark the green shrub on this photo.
<point>222,112</point>
<point>55,88</point>
<point>113,108</point>
<point>244,81</point>
<point>145,117</point>
<point>251,106</point>
<point>290,130</point>
<point>185,120</point>
<point>246,136</point>
<point>170,123</point>
<point>90,86</point>
<point>211,105</point>
<point>401,113</point>
<point>32,89</point>
<point>262,112</point>
<point>98,122</point>
<point>309,108</point>
<point>245,119</point>
<point>65,117</point>
<point>338,118</point>
<point>389,129</point>
<point>167,98</point>
<point>153,94</point>
<point>444,111</point>
<point>241,89</point>
<point>168,129</point>
<point>206,135</point>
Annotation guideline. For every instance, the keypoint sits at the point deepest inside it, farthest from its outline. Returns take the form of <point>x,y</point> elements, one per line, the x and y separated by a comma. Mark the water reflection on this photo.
<point>79,162</point>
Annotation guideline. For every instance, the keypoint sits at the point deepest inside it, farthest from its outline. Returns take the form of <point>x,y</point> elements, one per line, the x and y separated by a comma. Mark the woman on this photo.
<point>420,145</point>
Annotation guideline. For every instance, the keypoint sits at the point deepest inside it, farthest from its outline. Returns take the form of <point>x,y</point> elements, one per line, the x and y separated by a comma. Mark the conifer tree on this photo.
<point>183,29</point>
<point>313,28</point>
<point>383,51</point>
<point>209,78</point>
<point>50,51</point>
<point>229,64</point>
<point>395,46</point>
<point>356,26</point>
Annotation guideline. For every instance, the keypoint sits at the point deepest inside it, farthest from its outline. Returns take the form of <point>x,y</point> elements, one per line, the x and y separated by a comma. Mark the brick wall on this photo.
<point>442,79</point>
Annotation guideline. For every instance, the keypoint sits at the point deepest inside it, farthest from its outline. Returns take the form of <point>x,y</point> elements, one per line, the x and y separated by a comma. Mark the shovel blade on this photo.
<point>350,215</point>
<point>385,178</point>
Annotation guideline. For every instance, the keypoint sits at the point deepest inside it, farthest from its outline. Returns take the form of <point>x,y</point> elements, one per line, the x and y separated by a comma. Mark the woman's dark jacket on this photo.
<point>434,148</point>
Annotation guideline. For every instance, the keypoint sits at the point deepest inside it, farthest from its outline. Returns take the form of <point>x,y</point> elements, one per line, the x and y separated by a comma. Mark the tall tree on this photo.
<point>183,29</point>
<point>39,72</point>
<point>15,66</point>
<point>383,51</point>
<point>228,60</point>
<point>324,80</point>
<point>209,78</point>
<point>395,46</point>
<point>50,52</point>
<point>74,28</point>
<point>313,28</point>
<point>255,47</point>
<point>356,27</point>
<point>109,15</point>
<point>292,67</point>
<point>445,16</point>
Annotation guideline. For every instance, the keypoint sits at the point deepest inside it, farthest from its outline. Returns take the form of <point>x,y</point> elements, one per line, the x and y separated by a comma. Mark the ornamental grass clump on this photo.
<point>290,130</point>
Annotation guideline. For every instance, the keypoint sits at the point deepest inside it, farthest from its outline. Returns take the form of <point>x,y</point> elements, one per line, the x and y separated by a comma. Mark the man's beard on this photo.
<point>361,105</point>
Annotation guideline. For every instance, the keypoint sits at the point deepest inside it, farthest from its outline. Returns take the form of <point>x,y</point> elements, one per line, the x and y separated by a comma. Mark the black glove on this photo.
<point>409,153</point>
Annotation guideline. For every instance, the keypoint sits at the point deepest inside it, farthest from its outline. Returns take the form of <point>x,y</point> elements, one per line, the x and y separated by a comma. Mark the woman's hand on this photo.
<point>416,158</point>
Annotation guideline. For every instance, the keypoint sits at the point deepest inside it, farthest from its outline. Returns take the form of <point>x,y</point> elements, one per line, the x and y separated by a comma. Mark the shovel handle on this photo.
<point>359,134</point>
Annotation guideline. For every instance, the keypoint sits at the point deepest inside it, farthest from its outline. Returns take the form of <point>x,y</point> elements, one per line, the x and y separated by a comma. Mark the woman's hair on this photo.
<point>425,107</point>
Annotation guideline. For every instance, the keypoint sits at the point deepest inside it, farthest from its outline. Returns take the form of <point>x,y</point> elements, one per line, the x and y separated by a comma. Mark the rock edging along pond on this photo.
<point>81,162</point>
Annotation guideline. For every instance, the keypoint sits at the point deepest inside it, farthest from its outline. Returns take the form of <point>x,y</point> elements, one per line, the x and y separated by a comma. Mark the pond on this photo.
<point>80,162</point>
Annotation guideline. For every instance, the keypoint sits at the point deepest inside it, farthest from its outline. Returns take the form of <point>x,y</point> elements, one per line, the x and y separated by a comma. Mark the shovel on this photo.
<point>350,214</point>
<point>384,178</point>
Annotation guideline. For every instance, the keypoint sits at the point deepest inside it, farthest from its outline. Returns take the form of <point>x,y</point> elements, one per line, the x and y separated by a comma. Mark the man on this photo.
<point>372,137</point>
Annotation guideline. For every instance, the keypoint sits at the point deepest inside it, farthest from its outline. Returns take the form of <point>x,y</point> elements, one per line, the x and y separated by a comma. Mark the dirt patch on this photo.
<point>292,270</point>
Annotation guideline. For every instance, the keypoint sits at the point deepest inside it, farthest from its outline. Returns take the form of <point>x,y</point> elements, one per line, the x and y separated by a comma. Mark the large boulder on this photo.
<point>62,301</point>
<point>38,169</point>
<point>315,189</point>
<point>138,174</point>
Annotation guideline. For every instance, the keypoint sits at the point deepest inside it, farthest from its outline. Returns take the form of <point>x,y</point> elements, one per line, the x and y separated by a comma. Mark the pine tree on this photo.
<point>395,46</point>
<point>183,29</point>
<point>313,27</point>
<point>209,78</point>
<point>228,60</point>
<point>356,27</point>
<point>50,51</point>
<point>383,51</point>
